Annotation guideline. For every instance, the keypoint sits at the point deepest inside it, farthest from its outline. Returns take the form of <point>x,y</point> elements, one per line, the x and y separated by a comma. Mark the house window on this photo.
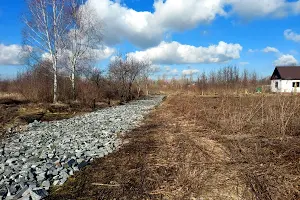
<point>296,84</point>
<point>276,84</point>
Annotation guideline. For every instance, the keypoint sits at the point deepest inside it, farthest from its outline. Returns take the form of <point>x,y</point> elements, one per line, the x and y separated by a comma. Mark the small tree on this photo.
<point>83,41</point>
<point>125,71</point>
<point>245,76</point>
<point>143,78</point>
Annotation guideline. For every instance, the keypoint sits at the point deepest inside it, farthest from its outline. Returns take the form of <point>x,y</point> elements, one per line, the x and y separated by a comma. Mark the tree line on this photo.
<point>225,79</point>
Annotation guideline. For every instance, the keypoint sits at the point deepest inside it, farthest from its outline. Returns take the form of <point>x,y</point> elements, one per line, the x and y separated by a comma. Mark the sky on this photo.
<point>179,37</point>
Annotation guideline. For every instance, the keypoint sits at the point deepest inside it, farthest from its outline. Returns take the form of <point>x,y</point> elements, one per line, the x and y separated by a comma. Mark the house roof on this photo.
<point>286,73</point>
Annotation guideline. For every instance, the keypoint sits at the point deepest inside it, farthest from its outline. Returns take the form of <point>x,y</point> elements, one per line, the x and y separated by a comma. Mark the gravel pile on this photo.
<point>49,152</point>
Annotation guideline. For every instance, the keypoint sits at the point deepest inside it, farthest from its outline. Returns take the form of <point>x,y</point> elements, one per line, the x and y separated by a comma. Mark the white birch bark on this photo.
<point>83,41</point>
<point>46,27</point>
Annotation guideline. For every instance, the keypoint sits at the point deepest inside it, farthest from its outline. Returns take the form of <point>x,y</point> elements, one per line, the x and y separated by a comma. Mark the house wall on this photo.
<point>284,86</point>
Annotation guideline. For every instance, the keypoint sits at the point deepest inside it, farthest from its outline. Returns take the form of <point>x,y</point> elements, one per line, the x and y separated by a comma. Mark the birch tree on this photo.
<point>83,43</point>
<point>143,78</point>
<point>46,25</point>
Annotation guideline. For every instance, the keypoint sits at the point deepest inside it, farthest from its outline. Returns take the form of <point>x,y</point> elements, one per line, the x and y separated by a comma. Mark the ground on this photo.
<point>199,147</point>
<point>15,112</point>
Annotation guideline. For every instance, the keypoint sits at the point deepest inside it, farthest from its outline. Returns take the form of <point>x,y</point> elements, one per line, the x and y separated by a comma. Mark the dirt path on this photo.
<point>168,157</point>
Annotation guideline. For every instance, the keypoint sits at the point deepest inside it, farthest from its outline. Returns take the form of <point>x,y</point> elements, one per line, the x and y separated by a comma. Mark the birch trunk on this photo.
<point>73,82</point>
<point>55,96</point>
<point>147,92</point>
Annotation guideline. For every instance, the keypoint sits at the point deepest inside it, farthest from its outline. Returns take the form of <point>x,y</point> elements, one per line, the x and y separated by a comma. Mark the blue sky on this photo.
<point>180,36</point>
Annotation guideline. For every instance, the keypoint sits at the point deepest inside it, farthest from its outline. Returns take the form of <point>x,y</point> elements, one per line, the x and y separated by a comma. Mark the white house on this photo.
<point>286,79</point>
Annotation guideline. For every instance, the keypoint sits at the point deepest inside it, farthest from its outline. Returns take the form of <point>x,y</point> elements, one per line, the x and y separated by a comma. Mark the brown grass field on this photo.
<point>202,147</point>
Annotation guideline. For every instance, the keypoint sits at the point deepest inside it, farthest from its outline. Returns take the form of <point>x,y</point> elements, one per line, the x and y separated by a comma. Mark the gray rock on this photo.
<point>82,165</point>
<point>16,154</point>
<point>62,181</point>
<point>46,185</point>
<point>41,177</point>
<point>7,172</point>
<point>71,173</point>
<point>63,175</point>
<point>56,182</point>
<point>30,176</point>
<point>27,197</point>
<point>10,161</point>
<point>75,168</point>
<point>50,155</point>
<point>55,172</point>
<point>10,197</point>
<point>27,192</point>
<point>12,189</point>
<point>38,193</point>
<point>71,162</point>
<point>21,192</point>
<point>3,191</point>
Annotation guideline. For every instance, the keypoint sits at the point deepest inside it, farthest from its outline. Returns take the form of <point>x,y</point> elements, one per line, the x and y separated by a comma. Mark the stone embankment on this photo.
<point>47,153</point>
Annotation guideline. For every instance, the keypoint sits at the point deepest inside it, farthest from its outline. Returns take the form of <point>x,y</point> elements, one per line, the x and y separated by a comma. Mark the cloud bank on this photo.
<point>190,72</point>
<point>286,60</point>
<point>270,49</point>
<point>11,54</point>
<point>176,53</point>
<point>290,35</point>
<point>147,29</point>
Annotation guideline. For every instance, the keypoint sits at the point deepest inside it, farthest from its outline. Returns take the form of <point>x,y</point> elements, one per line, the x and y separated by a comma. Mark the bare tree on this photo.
<point>46,25</point>
<point>83,42</point>
<point>126,71</point>
<point>202,82</point>
<point>143,78</point>
<point>245,76</point>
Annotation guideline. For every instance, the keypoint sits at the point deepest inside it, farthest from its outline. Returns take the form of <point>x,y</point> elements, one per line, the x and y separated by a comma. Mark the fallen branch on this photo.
<point>106,185</point>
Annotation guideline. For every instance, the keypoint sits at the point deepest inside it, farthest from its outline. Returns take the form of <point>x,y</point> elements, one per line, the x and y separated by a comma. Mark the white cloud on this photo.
<point>176,53</point>
<point>259,8</point>
<point>290,35</point>
<point>122,23</point>
<point>147,29</point>
<point>170,70</point>
<point>270,49</point>
<point>295,7</point>
<point>11,54</point>
<point>285,60</point>
<point>155,68</point>
<point>265,50</point>
<point>174,71</point>
<point>97,54</point>
<point>244,63</point>
<point>190,71</point>
<point>183,14</point>
<point>250,9</point>
<point>167,68</point>
<point>252,50</point>
<point>104,53</point>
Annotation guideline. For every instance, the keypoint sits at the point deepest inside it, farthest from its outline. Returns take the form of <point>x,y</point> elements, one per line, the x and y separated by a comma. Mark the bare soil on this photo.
<point>195,147</point>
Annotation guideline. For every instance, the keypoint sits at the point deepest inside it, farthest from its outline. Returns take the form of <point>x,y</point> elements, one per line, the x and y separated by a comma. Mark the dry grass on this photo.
<point>195,147</point>
<point>16,111</point>
<point>9,95</point>
<point>261,135</point>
